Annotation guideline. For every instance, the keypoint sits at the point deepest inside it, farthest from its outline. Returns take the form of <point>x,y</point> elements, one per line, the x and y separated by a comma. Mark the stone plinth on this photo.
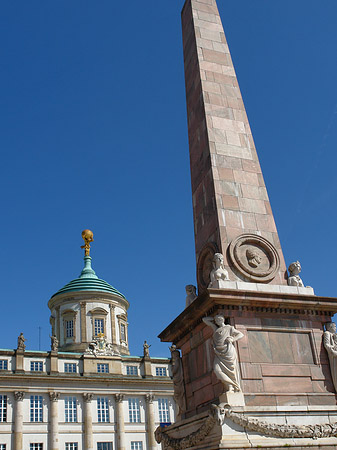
<point>283,367</point>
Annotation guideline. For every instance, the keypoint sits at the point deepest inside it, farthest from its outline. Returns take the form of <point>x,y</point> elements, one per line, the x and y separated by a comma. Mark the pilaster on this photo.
<point>150,422</point>
<point>18,420</point>
<point>120,422</point>
<point>88,435</point>
<point>53,421</point>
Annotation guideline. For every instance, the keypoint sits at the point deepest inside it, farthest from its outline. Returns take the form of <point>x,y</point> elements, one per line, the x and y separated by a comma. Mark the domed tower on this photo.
<point>89,309</point>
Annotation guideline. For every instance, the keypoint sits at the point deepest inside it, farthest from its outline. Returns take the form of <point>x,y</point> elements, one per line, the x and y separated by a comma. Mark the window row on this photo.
<point>103,412</point>
<point>134,445</point>
<point>37,366</point>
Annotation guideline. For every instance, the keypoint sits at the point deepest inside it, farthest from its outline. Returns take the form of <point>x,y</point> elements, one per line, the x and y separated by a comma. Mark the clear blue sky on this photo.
<point>94,135</point>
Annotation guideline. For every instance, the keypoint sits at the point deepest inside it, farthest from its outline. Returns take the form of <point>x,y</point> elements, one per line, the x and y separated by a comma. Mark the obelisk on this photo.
<point>256,368</point>
<point>229,195</point>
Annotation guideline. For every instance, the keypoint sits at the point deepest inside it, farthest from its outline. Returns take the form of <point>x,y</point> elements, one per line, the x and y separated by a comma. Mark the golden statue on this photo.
<point>88,236</point>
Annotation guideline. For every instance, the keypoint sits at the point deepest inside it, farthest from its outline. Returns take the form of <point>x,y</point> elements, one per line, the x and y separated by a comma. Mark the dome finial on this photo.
<point>88,236</point>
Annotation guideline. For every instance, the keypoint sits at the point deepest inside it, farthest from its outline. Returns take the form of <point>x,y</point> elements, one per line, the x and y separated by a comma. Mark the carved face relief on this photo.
<point>253,258</point>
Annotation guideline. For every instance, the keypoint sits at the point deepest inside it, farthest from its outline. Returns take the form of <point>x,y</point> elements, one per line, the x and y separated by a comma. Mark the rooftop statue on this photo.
<point>87,236</point>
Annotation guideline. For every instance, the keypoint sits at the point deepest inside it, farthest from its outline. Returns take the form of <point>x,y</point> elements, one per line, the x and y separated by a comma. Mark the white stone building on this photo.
<point>87,393</point>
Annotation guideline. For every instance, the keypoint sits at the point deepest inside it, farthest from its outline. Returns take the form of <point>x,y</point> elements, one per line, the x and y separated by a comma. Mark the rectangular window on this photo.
<point>35,446</point>
<point>160,371</point>
<point>70,367</point>
<point>36,366</point>
<point>123,332</point>
<point>131,370</point>
<point>3,366</point>
<point>102,368</point>
<point>69,328</point>
<point>163,408</point>
<point>134,410</point>
<point>71,446</point>
<point>103,409</point>
<point>136,445</point>
<point>99,326</point>
<point>104,445</point>
<point>70,409</point>
<point>2,446</point>
<point>3,408</point>
<point>36,409</point>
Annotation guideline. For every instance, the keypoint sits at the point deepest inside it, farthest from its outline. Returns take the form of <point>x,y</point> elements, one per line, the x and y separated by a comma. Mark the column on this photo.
<point>18,420</point>
<point>113,325</point>
<point>120,422</point>
<point>88,439</point>
<point>54,421</point>
<point>150,422</point>
<point>83,323</point>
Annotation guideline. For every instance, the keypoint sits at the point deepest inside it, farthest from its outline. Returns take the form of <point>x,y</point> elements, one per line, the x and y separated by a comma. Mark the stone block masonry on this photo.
<point>229,194</point>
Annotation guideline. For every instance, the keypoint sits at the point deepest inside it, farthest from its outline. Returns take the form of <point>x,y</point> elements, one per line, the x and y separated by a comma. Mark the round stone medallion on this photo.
<point>254,257</point>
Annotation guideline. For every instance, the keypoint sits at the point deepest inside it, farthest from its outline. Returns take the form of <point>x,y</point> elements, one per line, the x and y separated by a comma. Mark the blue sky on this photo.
<point>93,134</point>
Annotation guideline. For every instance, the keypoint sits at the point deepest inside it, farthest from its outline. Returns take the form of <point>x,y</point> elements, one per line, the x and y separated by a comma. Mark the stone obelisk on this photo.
<point>255,371</point>
<point>229,195</point>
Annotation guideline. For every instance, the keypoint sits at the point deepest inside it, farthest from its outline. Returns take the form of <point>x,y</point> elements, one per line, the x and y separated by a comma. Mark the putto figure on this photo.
<point>225,358</point>
<point>191,294</point>
<point>219,274</point>
<point>330,344</point>
<point>294,278</point>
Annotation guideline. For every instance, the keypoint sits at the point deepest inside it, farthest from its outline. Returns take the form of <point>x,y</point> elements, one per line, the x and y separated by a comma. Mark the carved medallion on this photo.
<point>254,257</point>
<point>205,266</point>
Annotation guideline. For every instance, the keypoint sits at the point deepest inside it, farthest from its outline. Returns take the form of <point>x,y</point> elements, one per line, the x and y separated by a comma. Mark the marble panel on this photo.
<point>281,350</point>
<point>287,384</point>
<point>302,349</point>
<point>259,346</point>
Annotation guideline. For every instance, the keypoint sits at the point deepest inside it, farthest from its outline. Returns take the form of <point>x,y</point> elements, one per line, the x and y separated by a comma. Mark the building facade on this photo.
<point>87,392</point>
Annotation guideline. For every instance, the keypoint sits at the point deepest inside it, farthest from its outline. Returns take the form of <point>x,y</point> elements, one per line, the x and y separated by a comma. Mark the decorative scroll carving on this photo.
<point>178,380</point>
<point>273,429</point>
<point>54,396</point>
<point>188,441</point>
<point>330,344</point>
<point>19,396</point>
<point>119,398</point>
<point>225,358</point>
<point>88,397</point>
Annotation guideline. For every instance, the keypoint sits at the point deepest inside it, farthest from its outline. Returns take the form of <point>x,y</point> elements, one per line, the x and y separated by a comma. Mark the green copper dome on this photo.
<point>88,281</point>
